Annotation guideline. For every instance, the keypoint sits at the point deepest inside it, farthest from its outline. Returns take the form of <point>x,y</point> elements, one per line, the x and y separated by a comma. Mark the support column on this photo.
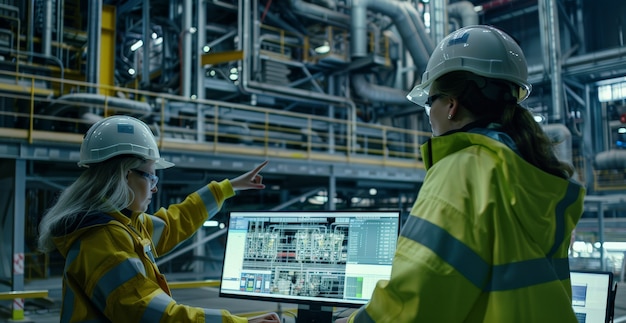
<point>186,55</point>
<point>601,235</point>
<point>147,44</point>
<point>18,190</point>
<point>549,23</point>
<point>94,27</point>
<point>107,68</point>
<point>332,189</point>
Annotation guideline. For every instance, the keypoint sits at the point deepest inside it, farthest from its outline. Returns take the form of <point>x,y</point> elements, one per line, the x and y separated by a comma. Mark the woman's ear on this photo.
<point>453,107</point>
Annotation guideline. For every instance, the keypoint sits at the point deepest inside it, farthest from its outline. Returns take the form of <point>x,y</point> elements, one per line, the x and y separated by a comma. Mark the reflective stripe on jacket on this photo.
<point>487,240</point>
<point>110,274</point>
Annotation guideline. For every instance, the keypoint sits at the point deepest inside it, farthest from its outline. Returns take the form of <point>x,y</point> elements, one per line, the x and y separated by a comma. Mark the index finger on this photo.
<point>260,166</point>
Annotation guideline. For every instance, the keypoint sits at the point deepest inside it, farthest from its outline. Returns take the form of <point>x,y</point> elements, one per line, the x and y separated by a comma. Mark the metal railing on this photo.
<point>609,179</point>
<point>33,109</point>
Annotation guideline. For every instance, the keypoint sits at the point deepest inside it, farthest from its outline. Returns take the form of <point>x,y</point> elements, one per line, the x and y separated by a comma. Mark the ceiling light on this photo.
<point>323,49</point>
<point>539,118</point>
<point>210,223</point>
<point>136,45</point>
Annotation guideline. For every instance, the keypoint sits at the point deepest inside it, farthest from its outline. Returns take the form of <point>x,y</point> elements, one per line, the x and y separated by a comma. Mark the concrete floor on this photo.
<point>208,298</point>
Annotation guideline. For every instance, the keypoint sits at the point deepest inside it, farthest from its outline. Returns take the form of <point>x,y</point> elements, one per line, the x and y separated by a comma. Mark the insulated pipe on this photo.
<point>330,4</point>
<point>400,13</point>
<point>199,73</point>
<point>147,44</point>
<point>549,23</point>
<point>464,10</point>
<point>94,24</point>
<point>611,159</point>
<point>247,85</point>
<point>73,101</point>
<point>439,14</point>
<point>397,11</point>
<point>406,20</point>
<point>562,138</point>
<point>616,53</point>
<point>46,39</point>
<point>200,250</point>
<point>424,36</point>
<point>60,18</point>
<point>358,29</point>
<point>30,30</point>
<point>185,77</point>
<point>201,18</point>
<point>377,93</point>
<point>320,14</point>
<point>578,62</point>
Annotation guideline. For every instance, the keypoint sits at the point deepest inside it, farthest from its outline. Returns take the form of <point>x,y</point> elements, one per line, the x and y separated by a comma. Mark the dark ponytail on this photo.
<point>532,142</point>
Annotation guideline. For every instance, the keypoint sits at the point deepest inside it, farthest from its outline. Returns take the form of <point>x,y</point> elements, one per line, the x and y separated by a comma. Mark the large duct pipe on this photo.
<point>464,11</point>
<point>424,36</point>
<point>611,159</point>
<point>146,49</point>
<point>321,14</point>
<point>562,138</point>
<point>406,19</point>
<point>330,4</point>
<point>247,85</point>
<point>186,34</point>
<point>46,39</point>
<point>400,13</point>
<point>377,93</point>
<point>549,27</point>
<point>414,38</point>
<point>94,26</point>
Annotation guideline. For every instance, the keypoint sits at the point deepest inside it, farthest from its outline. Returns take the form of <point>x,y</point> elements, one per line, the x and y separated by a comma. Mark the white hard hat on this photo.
<point>483,50</point>
<point>119,135</point>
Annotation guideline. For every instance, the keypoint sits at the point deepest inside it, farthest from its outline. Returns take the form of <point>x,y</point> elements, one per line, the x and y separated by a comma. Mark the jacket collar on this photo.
<point>439,147</point>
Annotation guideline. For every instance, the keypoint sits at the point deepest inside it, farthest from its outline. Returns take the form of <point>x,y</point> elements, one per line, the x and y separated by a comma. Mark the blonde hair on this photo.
<point>100,188</point>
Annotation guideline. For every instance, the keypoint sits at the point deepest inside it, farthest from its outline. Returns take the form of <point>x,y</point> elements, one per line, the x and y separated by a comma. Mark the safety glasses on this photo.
<point>152,179</point>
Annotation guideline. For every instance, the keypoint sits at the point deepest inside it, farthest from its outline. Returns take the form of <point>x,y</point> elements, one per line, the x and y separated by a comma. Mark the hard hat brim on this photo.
<point>162,164</point>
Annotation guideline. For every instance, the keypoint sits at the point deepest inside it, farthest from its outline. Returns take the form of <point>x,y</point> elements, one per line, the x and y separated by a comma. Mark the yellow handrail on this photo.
<point>23,294</point>
<point>203,125</point>
<point>193,284</point>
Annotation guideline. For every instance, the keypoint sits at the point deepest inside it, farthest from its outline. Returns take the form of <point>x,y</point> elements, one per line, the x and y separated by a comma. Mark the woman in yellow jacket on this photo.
<point>110,244</point>
<point>488,236</point>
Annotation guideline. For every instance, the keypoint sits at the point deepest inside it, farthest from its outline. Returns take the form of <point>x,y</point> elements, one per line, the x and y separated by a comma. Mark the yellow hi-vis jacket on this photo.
<point>110,274</point>
<point>487,239</point>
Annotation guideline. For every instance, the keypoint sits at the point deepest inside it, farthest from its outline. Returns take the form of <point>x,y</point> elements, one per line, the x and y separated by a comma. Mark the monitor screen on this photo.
<point>591,295</point>
<point>316,258</point>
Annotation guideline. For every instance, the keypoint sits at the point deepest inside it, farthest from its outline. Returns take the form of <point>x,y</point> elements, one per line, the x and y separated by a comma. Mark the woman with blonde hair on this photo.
<point>110,244</point>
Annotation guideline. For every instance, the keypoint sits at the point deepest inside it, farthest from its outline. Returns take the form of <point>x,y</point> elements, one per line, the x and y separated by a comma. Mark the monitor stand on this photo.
<point>314,314</point>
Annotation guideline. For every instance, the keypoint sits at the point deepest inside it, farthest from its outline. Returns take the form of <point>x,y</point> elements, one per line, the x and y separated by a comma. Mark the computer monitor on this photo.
<point>592,296</point>
<point>316,259</point>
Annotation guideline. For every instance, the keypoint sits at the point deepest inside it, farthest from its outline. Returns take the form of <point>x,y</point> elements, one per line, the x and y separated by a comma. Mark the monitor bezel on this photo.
<point>317,304</point>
